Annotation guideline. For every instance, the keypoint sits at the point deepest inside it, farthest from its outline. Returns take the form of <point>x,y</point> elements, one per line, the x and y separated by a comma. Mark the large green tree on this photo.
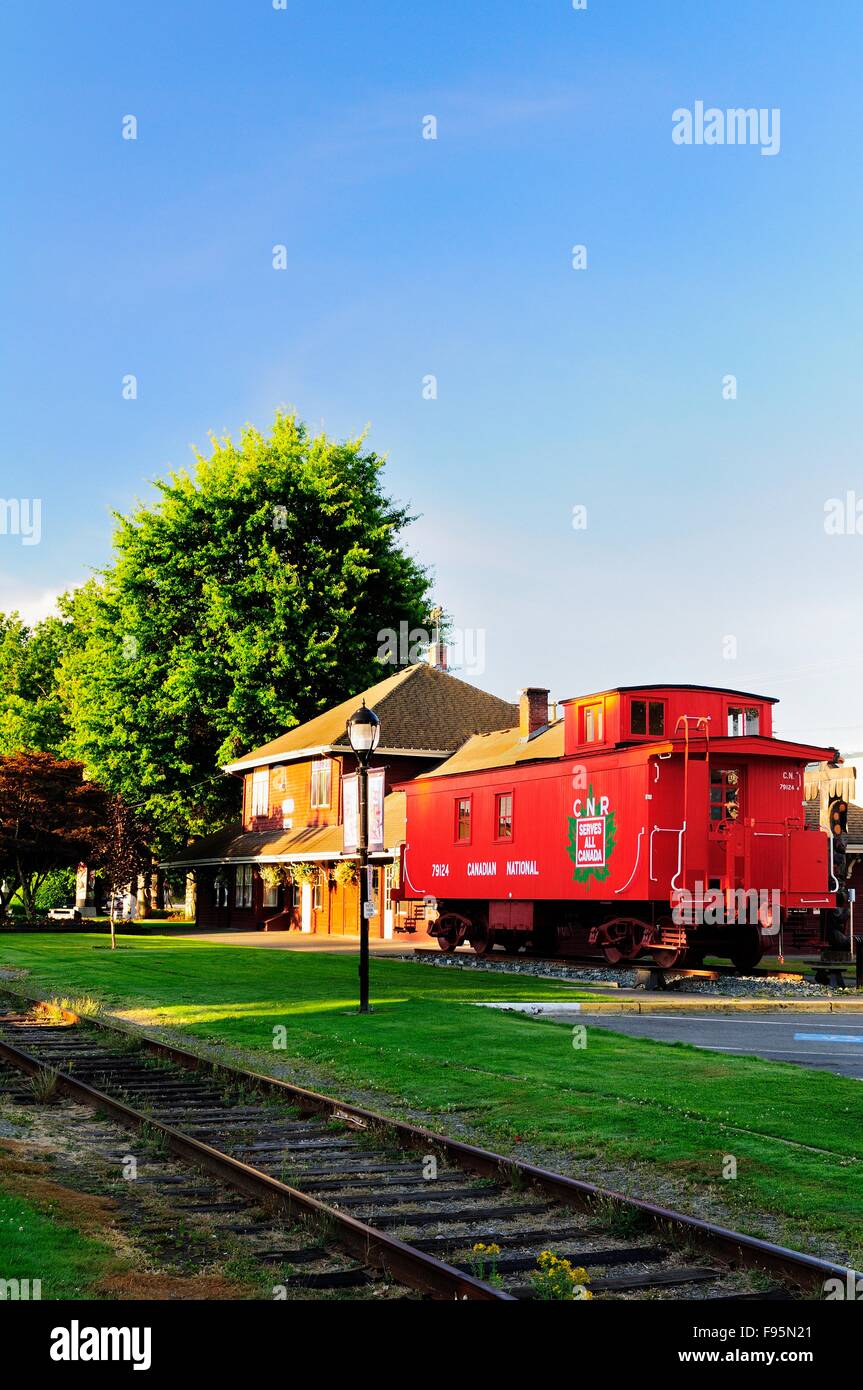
<point>247,598</point>
<point>32,713</point>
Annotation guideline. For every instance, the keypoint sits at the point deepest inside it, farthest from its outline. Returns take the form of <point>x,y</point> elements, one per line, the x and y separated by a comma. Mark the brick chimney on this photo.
<point>532,710</point>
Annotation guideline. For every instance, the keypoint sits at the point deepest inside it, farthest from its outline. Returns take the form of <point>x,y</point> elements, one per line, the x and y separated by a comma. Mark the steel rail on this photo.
<point>392,1256</point>
<point>807,1271</point>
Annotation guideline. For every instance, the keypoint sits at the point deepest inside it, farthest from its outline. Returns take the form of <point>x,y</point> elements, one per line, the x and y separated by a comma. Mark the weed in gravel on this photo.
<point>616,1217</point>
<point>44,1085</point>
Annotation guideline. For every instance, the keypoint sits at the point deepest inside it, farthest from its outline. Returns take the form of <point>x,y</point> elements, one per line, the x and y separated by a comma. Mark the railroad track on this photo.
<point>397,1199</point>
<point>645,966</point>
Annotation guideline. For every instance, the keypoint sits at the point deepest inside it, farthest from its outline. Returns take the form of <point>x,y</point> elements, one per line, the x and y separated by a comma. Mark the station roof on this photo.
<point>505,748</point>
<point>423,711</point>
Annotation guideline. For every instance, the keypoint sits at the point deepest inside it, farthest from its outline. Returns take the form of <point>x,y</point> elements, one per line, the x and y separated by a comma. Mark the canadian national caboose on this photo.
<point>663,820</point>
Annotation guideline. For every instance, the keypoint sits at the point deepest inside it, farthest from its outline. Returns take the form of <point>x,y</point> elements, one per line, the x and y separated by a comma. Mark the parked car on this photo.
<point>64,914</point>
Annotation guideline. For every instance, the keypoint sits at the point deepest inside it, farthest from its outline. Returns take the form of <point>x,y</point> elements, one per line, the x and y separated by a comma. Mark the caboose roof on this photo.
<point>507,748</point>
<point>714,689</point>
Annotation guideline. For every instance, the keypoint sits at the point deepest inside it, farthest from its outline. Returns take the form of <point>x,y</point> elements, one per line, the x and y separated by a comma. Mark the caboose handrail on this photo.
<point>408,880</point>
<point>674,883</point>
<point>635,865</point>
<point>832,874</point>
<point>665,830</point>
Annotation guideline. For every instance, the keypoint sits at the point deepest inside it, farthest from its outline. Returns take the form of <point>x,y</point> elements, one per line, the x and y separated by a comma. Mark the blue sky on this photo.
<point>452,257</point>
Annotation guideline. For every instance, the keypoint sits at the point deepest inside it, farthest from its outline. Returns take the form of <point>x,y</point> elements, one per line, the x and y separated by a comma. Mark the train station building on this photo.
<point>282,865</point>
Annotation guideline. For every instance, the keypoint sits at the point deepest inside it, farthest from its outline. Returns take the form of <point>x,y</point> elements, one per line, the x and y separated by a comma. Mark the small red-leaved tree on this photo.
<point>123,851</point>
<point>50,818</point>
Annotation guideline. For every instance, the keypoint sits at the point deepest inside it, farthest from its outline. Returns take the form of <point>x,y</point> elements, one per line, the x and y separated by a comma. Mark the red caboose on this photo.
<point>660,819</point>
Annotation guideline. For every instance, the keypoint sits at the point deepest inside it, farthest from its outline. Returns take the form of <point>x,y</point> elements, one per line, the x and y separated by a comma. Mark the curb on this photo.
<point>650,1006</point>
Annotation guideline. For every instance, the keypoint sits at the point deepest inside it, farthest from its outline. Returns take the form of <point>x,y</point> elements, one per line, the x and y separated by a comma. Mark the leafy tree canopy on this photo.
<point>50,818</point>
<point>246,599</point>
<point>32,714</point>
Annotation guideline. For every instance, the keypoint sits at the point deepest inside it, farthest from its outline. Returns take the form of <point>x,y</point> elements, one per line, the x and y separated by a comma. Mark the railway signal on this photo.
<point>838,813</point>
<point>838,820</point>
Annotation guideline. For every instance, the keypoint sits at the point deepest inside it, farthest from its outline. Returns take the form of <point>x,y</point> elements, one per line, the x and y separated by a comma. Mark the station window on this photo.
<point>271,894</point>
<point>647,717</point>
<point>743,720</point>
<point>321,783</point>
<point>261,791</point>
<point>462,818</point>
<point>318,891</point>
<point>592,724</point>
<point>503,816</point>
<point>220,889</point>
<point>243,893</point>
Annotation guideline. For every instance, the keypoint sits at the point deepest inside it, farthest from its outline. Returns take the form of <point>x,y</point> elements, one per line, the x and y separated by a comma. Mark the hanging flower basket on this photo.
<point>272,875</point>
<point>346,871</point>
<point>303,873</point>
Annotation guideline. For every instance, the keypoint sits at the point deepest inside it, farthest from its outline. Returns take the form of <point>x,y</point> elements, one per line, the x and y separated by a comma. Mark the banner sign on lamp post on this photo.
<point>350,813</point>
<point>376,778</point>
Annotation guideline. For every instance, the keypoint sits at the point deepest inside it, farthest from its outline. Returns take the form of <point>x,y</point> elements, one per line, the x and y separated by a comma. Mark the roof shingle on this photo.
<point>419,708</point>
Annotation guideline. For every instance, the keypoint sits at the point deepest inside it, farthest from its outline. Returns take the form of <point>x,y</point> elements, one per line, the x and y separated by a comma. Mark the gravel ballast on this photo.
<point>615,977</point>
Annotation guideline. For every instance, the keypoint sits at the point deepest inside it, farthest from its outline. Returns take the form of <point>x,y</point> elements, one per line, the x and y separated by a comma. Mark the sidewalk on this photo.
<point>304,941</point>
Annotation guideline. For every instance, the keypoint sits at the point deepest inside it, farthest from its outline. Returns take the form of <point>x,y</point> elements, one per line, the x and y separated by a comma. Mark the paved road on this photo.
<point>830,1042</point>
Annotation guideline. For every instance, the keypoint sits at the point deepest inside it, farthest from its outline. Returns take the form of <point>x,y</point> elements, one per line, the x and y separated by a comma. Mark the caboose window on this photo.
<point>592,724</point>
<point>743,721</point>
<point>724,794</point>
<point>503,816</point>
<point>462,818</point>
<point>647,717</point>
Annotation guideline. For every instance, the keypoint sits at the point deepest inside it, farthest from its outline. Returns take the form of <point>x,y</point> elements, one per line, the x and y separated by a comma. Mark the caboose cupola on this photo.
<point>651,713</point>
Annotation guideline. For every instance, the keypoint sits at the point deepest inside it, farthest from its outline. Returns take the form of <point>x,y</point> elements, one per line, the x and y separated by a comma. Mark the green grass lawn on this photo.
<point>36,1245</point>
<point>797,1135</point>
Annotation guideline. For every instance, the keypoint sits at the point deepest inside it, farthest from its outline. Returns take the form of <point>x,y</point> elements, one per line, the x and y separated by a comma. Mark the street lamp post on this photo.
<point>364,731</point>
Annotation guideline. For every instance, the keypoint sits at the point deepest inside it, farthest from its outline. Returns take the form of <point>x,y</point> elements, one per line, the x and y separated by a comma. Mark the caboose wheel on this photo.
<point>484,943</point>
<point>447,936</point>
<point>625,942</point>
